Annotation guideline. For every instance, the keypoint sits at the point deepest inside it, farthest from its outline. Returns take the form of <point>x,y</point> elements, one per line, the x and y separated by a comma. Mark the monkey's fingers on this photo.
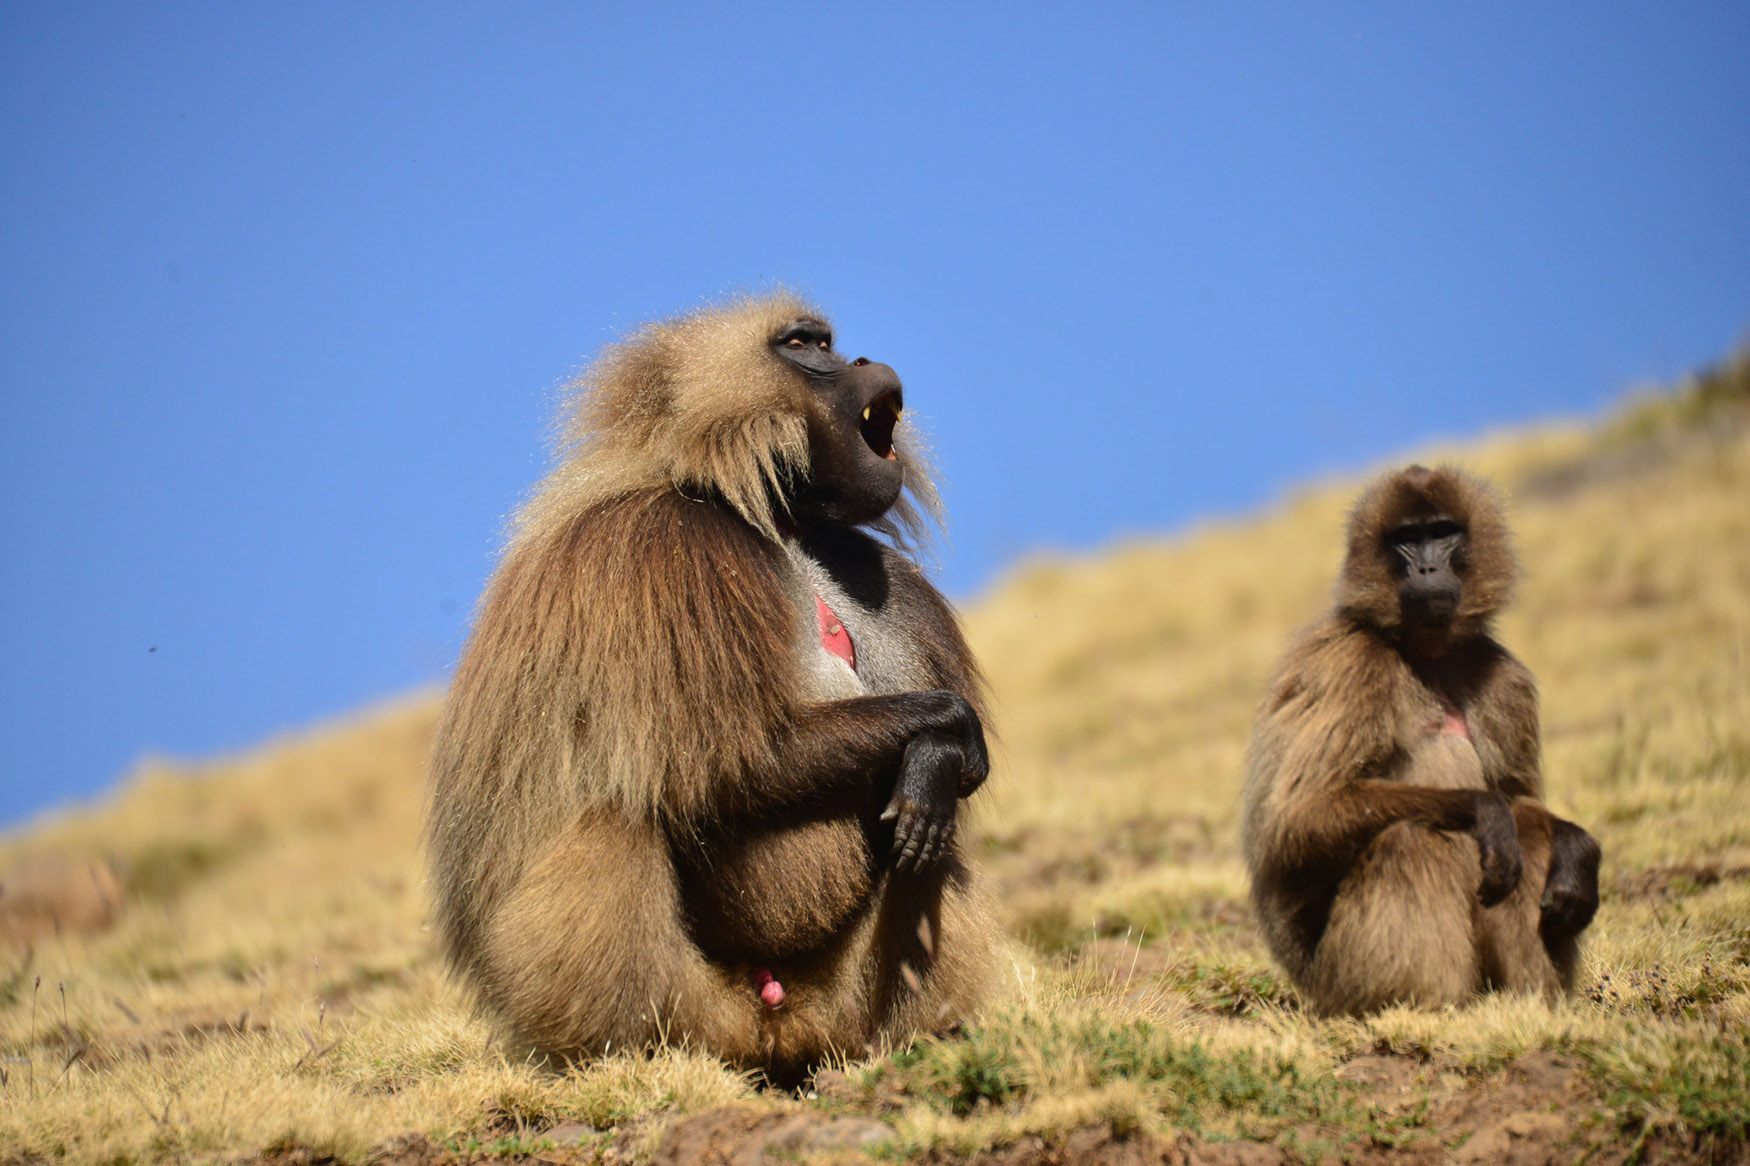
<point>926,841</point>
<point>907,836</point>
<point>908,858</point>
<point>936,844</point>
<point>931,850</point>
<point>948,830</point>
<point>1497,847</point>
<point>900,804</point>
<point>1500,875</point>
<point>920,852</point>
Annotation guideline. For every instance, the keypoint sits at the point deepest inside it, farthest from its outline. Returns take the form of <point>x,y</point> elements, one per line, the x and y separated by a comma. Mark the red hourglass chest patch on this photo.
<point>833,636</point>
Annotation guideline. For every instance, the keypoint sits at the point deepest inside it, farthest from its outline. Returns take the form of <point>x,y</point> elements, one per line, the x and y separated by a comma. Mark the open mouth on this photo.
<point>879,418</point>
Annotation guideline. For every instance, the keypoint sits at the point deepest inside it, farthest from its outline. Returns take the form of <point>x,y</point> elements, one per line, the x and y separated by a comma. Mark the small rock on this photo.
<point>1101,1145</point>
<point>1378,1071</point>
<point>856,1133</point>
<point>1522,1139</point>
<point>406,1150</point>
<point>570,1133</point>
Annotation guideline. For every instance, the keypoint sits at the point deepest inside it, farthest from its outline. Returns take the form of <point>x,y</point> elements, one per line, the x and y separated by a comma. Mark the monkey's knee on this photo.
<point>1401,929</point>
<point>589,955</point>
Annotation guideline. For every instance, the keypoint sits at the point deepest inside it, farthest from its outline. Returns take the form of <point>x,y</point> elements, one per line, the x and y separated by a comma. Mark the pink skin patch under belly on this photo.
<point>771,992</point>
<point>1454,724</point>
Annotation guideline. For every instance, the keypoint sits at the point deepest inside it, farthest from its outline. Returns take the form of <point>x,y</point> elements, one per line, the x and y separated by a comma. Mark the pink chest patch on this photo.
<point>833,636</point>
<point>1454,724</point>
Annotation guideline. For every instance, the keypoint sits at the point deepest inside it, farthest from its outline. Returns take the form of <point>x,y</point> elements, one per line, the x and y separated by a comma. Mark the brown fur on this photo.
<point>633,766</point>
<point>1357,810</point>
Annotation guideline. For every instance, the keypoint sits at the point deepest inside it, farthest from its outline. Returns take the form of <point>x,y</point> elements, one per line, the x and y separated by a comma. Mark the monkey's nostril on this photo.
<point>860,361</point>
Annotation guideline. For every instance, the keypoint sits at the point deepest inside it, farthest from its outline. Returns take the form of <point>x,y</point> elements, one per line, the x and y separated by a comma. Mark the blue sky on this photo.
<point>286,289</point>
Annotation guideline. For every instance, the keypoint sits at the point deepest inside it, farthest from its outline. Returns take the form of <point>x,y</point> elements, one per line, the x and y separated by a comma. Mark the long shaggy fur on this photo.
<point>635,671</point>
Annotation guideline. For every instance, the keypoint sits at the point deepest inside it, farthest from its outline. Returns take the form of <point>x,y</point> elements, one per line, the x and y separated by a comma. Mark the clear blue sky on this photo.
<point>285,289</point>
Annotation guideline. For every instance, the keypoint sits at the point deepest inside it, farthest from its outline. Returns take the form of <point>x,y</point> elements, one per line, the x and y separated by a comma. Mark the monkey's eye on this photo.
<point>1444,529</point>
<point>825,344</point>
<point>794,342</point>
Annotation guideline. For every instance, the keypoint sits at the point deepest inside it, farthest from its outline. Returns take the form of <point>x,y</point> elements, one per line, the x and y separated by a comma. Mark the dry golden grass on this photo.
<point>269,983</point>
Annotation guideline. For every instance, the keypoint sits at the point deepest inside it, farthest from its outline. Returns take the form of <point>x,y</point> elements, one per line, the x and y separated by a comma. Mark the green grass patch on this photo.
<point>1230,989</point>
<point>1014,1060</point>
<point>1698,1081</point>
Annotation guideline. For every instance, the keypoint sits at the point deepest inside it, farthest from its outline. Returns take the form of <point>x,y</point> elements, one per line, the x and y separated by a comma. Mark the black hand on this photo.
<point>1570,895</point>
<point>924,800</point>
<point>948,714</point>
<point>974,757</point>
<point>1497,838</point>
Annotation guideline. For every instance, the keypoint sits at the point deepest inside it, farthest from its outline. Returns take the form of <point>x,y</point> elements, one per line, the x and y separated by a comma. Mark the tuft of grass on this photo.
<point>1692,1081</point>
<point>1230,989</point>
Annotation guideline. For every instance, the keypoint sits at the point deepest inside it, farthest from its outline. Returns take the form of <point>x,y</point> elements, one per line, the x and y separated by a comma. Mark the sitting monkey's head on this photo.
<point>748,403</point>
<point>1429,560</point>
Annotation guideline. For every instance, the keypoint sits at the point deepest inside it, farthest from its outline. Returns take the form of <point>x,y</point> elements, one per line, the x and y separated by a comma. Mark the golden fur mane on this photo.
<point>700,404</point>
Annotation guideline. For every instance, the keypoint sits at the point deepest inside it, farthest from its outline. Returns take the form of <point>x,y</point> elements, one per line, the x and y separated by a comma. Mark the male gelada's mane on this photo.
<point>692,403</point>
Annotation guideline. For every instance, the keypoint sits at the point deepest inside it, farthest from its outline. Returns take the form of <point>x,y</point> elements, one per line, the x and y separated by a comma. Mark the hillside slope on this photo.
<point>228,960</point>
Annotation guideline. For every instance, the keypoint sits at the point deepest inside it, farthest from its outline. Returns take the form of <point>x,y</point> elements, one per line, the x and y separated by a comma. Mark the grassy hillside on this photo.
<point>230,961</point>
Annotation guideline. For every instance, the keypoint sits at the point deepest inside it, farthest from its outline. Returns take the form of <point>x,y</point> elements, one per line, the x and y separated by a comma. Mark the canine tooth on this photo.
<point>866,409</point>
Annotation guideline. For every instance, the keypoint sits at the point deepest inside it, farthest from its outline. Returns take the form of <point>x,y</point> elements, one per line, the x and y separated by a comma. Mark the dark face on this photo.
<point>1429,551</point>
<point>854,475</point>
